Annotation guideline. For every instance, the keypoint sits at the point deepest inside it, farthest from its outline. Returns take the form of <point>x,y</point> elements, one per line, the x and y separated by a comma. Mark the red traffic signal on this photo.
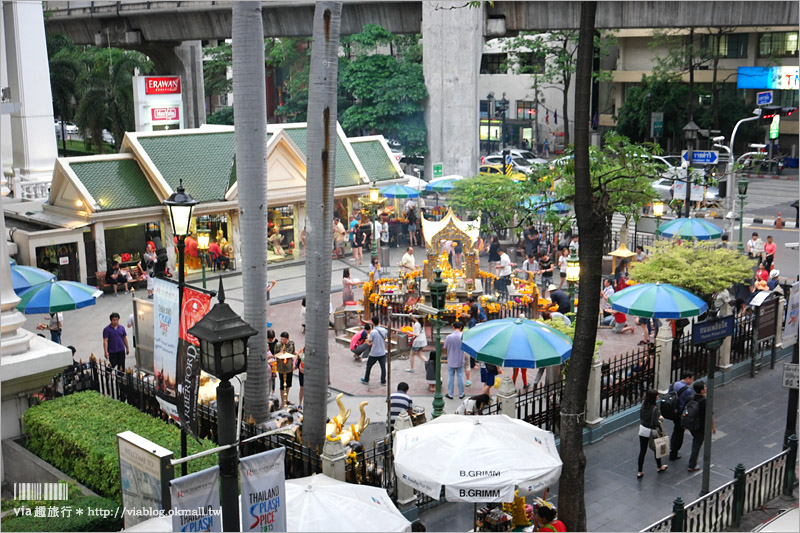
<point>787,111</point>
<point>769,112</point>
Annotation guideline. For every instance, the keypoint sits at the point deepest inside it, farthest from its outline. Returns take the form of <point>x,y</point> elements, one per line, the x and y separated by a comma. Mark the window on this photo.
<point>526,110</point>
<point>530,63</point>
<point>484,109</point>
<point>731,46</point>
<point>493,63</point>
<point>782,44</point>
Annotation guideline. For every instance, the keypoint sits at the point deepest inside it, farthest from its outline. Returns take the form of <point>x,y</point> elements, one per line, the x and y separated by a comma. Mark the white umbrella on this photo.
<point>476,458</point>
<point>321,503</point>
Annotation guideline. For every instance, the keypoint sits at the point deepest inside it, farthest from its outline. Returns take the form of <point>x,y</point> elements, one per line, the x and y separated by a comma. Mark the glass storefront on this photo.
<point>61,260</point>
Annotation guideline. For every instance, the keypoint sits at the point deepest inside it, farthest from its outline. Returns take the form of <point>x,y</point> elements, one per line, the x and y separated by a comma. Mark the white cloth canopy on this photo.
<point>476,458</point>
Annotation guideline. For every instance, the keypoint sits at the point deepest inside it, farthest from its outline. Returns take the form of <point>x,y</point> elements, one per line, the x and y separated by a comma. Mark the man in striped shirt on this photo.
<point>401,401</point>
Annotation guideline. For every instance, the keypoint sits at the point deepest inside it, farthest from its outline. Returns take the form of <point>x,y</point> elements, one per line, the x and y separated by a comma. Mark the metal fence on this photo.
<point>541,406</point>
<point>688,356</point>
<point>742,340</point>
<point>625,378</point>
<point>724,507</point>
<point>373,466</point>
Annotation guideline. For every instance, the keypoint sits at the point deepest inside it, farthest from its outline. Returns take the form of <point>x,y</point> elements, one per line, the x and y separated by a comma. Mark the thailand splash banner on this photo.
<point>165,336</point>
<point>263,500</point>
<point>195,307</point>
<point>195,501</point>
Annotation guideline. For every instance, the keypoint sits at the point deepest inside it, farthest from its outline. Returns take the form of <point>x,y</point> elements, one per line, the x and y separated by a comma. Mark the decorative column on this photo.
<point>663,366</point>
<point>99,235</point>
<point>14,340</point>
<point>169,244</point>
<point>507,396</point>
<point>778,328</point>
<point>333,458</point>
<point>593,417</point>
<point>724,361</point>
<point>235,236</point>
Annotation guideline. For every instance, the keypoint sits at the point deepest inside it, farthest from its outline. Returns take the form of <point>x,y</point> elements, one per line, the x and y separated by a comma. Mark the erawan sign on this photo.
<point>158,103</point>
<point>162,85</point>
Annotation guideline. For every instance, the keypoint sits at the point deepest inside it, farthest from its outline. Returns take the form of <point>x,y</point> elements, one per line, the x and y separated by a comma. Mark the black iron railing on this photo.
<point>625,378</point>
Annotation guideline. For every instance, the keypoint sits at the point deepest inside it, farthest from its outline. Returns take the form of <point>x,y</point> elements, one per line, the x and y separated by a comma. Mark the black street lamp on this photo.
<point>490,113</point>
<point>742,186</point>
<point>223,337</point>
<point>438,290</point>
<point>180,205</point>
<point>690,133</point>
<point>502,106</point>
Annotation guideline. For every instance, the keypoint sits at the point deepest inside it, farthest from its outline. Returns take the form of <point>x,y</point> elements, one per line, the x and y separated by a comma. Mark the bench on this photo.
<point>136,277</point>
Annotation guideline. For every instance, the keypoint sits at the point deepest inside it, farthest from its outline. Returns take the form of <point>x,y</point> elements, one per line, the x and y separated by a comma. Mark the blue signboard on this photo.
<point>764,98</point>
<point>704,157</point>
<point>712,330</point>
<point>787,78</point>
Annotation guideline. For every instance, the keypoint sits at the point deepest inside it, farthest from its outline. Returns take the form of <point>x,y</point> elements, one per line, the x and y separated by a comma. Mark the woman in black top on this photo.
<point>494,254</point>
<point>648,420</point>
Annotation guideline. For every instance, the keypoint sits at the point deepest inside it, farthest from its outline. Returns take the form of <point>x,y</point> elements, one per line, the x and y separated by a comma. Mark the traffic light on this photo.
<point>768,113</point>
<point>787,111</point>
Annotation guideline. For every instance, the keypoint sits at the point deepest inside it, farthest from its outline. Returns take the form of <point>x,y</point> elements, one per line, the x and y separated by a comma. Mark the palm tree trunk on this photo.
<point>320,177</point>
<point>250,116</point>
<point>591,223</point>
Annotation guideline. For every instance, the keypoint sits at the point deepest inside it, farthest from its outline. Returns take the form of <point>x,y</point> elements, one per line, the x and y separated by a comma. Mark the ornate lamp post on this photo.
<point>180,205</point>
<point>742,186</point>
<point>438,290</point>
<point>573,275</point>
<point>501,106</point>
<point>374,200</point>
<point>490,113</point>
<point>223,337</point>
<point>690,133</point>
<point>203,238</point>
<point>658,211</point>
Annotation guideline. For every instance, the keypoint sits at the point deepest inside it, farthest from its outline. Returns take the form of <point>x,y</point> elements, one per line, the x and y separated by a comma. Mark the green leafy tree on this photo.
<point>495,198</point>
<point>221,116</point>
<point>65,67</point>
<point>290,58</point>
<point>697,266</point>
<point>216,65</point>
<point>384,92</point>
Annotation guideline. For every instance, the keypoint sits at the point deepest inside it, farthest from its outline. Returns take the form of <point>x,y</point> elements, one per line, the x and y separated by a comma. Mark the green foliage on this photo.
<point>495,197</point>
<point>667,95</point>
<point>217,60</point>
<point>621,177</point>
<point>383,93</point>
<point>290,59</point>
<point>694,265</point>
<point>16,519</point>
<point>221,116</point>
<point>78,435</point>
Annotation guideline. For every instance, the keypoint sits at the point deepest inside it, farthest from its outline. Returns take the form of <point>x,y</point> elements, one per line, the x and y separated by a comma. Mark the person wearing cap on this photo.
<point>773,283</point>
<point>558,296</point>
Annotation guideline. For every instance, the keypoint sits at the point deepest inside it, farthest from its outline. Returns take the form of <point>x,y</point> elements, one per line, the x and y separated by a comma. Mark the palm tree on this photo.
<point>64,70</point>
<point>320,176</point>
<point>250,115</point>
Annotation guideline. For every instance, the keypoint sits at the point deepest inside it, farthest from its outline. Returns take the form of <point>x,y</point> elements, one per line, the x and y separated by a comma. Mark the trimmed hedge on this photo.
<point>78,435</point>
<point>106,515</point>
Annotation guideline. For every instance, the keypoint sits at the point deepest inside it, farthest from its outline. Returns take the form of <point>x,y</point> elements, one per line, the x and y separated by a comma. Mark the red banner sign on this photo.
<point>195,306</point>
<point>162,85</point>
<point>165,113</point>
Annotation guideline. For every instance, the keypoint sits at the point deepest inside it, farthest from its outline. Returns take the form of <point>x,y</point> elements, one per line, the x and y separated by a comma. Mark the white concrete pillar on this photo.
<point>725,350</point>
<point>507,396</point>
<point>663,358</point>
<point>169,244</point>
<point>333,459</point>
<point>236,236</point>
<point>452,44</point>
<point>14,339</point>
<point>779,324</point>
<point>405,494</point>
<point>33,137</point>
<point>99,235</point>
<point>593,417</point>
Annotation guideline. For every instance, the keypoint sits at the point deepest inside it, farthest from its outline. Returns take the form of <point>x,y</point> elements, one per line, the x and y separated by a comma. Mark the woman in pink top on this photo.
<point>769,251</point>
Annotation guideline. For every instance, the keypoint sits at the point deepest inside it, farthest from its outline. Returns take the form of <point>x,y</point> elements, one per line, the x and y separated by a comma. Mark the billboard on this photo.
<point>761,78</point>
<point>158,103</point>
<point>145,472</point>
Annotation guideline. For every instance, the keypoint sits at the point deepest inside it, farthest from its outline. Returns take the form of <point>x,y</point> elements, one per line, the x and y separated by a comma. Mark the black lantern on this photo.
<point>180,204</point>
<point>438,290</point>
<point>223,337</point>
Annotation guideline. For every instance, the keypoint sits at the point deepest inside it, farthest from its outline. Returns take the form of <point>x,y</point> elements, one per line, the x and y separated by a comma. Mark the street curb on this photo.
<point>749,221</point>
<point>771,177</point>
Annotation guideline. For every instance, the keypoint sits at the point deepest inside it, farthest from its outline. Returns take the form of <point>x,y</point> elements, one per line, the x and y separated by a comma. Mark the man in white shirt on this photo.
<point>755,247</point>
<point>605,294</point>
<point>384,233</point>
<point>339,235</point>
<point>408,263</point>
<point>503,272</point>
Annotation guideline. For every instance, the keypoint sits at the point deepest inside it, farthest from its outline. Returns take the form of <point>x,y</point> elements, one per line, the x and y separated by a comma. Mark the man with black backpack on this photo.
<point>672,406</point>
<point>694,419</point>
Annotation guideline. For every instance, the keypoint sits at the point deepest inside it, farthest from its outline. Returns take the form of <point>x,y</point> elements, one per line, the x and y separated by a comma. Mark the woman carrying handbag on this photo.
<point>649,429</point>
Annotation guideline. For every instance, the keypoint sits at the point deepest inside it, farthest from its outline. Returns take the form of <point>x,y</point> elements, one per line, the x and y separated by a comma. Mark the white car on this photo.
<point>527,155</point>
<point>69,127</point>
<point>517,163</point>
